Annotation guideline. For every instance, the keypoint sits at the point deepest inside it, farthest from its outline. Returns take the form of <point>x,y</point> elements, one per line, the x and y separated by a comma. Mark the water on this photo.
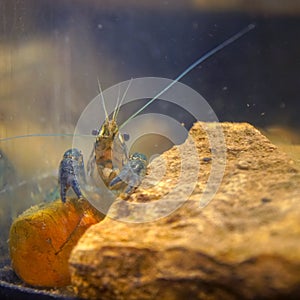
<point>52,53</point>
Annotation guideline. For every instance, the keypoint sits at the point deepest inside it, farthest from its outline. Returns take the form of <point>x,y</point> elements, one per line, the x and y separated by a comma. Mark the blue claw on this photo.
<point>70,169</point>
<point>132,173</point>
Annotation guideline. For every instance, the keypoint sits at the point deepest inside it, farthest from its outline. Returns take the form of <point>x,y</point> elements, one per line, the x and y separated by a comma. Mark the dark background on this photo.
<point>256,79</point>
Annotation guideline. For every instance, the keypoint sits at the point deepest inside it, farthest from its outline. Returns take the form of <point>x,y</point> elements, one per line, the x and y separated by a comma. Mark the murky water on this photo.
<point>52,53</point>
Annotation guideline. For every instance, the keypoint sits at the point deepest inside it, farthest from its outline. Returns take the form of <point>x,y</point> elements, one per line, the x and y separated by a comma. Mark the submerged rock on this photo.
<point>41,239</point>
<point>242,244</point>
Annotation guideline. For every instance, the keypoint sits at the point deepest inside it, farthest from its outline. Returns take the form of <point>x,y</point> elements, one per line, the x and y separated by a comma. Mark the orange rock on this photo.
<point>42,238</point>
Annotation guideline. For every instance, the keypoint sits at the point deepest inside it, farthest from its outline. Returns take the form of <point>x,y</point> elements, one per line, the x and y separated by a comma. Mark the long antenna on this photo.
<point>44,135</point>
<point>103,101</point>
<point>117,104</point>
<point>192,66</point>
<point>123,97</point>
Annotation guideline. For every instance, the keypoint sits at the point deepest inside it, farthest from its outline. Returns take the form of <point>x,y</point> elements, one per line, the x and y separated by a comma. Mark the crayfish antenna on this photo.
<point>123,98</point>
<point>117,104</point>
<point>102,98</point>
<point>193,66</point>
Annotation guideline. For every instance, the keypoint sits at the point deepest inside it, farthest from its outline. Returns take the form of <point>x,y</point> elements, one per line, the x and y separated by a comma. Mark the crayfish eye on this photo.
<point>95,131</point>
<point>126,137</point>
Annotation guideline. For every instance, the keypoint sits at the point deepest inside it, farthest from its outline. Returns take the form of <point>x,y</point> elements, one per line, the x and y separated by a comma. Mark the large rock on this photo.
<point>243,244</point>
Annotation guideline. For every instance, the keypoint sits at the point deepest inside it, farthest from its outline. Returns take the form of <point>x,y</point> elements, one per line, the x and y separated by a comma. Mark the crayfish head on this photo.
<point>109,129</point>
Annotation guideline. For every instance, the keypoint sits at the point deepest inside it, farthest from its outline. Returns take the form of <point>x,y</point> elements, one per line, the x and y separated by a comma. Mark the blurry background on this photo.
<point>51,53</point>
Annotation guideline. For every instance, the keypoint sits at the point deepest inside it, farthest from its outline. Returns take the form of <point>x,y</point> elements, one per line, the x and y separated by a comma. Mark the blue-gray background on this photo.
<point>53,51</point>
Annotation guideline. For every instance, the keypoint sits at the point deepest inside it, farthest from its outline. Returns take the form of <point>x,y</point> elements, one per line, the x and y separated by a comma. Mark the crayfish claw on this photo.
<point>71,168</point>
<point>132,173</point>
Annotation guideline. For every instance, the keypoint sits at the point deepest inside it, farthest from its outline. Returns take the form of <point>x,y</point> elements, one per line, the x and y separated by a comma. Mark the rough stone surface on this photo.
<point>41,240</point>
<point>244,244</point>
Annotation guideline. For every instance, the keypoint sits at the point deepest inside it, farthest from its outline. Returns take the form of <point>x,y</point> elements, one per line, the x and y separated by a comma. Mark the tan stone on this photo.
<point>244,244</point>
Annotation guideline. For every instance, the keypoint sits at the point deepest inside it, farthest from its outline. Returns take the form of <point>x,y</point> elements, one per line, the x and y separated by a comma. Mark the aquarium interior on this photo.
<point>52,53</point>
